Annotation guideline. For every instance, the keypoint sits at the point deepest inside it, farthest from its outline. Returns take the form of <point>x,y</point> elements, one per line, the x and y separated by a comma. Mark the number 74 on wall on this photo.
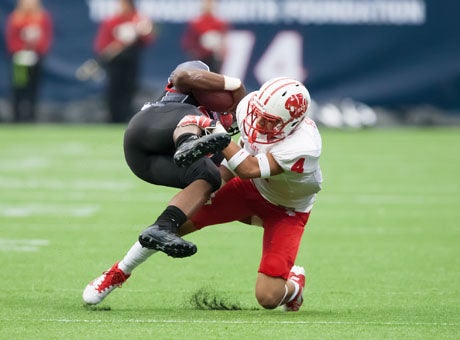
<point>275,60</point>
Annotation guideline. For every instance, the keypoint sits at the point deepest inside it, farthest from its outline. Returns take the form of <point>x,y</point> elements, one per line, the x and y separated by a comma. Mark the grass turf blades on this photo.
<point>380,249</point>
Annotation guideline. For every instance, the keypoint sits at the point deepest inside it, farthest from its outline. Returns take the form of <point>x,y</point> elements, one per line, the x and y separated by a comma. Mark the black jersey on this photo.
<point>152,128</point>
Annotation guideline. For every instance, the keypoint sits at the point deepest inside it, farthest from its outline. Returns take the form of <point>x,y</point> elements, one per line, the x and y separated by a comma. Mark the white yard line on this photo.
<point>394,199</point>
<point>35,209</point>
<point>24,164</point>
<point>22,245</point>
<point>53,184</point>
<point>239,322</point>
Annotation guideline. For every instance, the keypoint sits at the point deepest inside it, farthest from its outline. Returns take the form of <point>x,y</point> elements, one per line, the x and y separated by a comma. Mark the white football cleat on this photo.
<point>100,287</point>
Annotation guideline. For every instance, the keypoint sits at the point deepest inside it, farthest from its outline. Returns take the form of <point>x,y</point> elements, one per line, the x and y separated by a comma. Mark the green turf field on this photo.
<point>382,247</point>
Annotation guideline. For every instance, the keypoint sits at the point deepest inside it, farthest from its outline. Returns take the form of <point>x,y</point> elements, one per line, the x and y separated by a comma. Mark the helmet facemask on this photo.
<point>262,127</point>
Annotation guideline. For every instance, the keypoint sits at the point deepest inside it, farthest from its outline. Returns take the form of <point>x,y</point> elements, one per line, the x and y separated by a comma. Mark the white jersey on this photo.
<point>298,155</point>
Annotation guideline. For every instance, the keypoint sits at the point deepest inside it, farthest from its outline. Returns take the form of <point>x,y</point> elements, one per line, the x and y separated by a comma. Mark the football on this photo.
<point>218,101</point>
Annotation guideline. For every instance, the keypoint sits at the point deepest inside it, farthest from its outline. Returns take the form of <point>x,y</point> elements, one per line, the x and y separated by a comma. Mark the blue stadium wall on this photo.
<point>390,53</point>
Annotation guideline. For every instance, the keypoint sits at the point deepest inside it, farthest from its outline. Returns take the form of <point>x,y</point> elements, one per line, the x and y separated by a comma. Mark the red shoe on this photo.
<point>100,287</point>
<point>297,274</point>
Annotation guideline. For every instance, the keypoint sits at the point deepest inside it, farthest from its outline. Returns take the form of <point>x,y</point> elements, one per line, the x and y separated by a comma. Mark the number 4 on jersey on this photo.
<point>298,165</point>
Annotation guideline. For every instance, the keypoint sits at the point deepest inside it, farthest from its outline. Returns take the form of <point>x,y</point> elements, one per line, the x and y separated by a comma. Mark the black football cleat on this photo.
<point>164,239</point>
<point>192,150</point>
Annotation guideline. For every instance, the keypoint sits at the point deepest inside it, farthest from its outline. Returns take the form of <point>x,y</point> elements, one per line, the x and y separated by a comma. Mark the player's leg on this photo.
<point>198,181</point>
<point>279,281</point>
<point>201,179</point>
<point>204,178</point>
<point>159,236</point>
<point>226,205</point>
<point>272,292</point>
<point>148,148</point>
<point>99,288</point>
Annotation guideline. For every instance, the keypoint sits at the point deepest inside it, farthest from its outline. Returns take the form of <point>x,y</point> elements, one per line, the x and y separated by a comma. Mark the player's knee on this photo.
<point>268,299</point>
<point>270,287</point>
<point>205,169</point>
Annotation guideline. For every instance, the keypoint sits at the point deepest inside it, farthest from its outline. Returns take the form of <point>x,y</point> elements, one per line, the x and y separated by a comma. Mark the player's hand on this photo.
<point>237,94</point>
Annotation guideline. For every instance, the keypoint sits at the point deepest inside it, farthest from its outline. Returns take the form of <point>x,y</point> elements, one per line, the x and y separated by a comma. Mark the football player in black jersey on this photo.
<point>174,122</point>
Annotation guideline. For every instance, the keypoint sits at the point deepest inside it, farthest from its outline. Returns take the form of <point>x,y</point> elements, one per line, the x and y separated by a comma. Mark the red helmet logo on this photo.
<point>296,105</point>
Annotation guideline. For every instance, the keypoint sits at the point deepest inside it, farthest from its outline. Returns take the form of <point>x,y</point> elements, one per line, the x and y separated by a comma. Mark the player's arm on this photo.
<point>187,80</point>
<point>225,174</point>
<point>245,165</point>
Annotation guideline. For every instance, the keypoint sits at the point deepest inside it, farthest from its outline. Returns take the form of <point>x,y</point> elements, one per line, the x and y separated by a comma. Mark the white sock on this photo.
<point>284,296</point>
<point>134,257</point>
<point>296,290</point>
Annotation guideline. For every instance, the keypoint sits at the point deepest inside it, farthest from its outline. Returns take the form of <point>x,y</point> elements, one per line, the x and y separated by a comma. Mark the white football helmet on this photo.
<point>276,110</point>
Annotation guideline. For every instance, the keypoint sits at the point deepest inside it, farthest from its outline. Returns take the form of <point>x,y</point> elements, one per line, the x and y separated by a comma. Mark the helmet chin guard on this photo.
<point>276,110</point>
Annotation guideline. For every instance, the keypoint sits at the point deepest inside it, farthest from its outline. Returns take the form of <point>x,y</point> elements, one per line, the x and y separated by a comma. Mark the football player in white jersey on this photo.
<point>273,176</point>
<point>271,179</point>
